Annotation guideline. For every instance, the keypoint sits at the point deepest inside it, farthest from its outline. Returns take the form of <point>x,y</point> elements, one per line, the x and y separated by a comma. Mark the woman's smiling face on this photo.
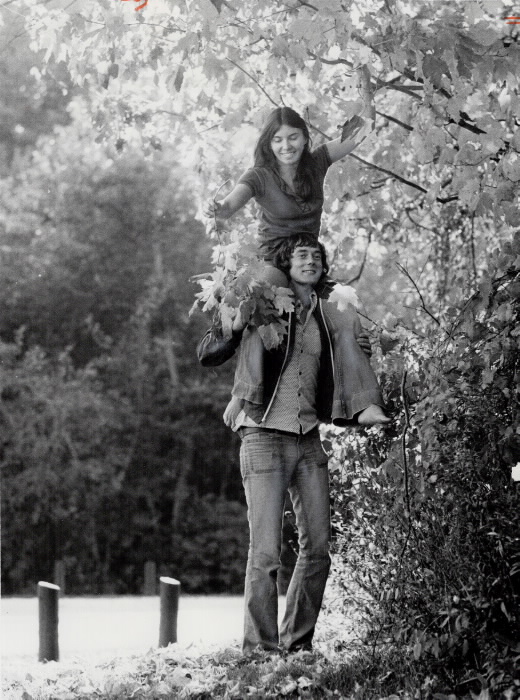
<point>288,144</point>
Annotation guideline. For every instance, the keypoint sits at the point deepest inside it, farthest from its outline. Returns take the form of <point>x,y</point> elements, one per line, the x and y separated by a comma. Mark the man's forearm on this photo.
<point>214,349</point>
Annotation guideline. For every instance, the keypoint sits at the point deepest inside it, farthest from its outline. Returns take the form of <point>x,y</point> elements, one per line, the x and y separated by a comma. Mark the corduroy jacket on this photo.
<point>346,381</point>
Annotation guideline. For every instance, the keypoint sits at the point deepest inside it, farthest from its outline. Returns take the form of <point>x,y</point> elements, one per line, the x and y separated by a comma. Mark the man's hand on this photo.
<point>232,410</point>
<point>245,310</point>
<point>363,341</point>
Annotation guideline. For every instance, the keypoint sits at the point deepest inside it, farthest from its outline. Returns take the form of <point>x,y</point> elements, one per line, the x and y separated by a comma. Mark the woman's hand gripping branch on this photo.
<point>355,130</point>
<point>235,200</point>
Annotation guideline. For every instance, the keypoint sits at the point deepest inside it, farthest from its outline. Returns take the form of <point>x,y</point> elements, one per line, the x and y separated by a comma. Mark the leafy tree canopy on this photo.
<point>444,75</point>
<point>32,103</point>
<point>204,74</point>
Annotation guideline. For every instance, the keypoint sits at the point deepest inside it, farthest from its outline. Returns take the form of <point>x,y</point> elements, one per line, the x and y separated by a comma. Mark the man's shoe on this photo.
<point>300,649</point>
<point>259,654</point>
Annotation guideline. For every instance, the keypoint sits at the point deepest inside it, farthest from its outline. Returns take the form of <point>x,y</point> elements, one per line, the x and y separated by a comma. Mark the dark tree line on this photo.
<point>113,447</point>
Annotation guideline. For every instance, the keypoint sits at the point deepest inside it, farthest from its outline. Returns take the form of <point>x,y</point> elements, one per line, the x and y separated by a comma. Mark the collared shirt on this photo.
<point>293,408</point>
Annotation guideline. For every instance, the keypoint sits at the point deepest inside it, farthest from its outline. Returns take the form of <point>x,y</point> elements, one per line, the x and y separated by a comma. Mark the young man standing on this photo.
<point>279,399</point>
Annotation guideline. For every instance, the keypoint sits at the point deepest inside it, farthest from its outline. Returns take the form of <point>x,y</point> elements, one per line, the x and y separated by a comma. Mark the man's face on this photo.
<point>306,265</point>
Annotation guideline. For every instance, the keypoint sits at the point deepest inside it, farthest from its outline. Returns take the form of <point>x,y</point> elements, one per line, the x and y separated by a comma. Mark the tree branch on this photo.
<point>396,121</point>
<point>372,165</point>
<point>405,89</point>
<point>390,85</point>
<point>464,120</point>
<point>389,172</point>
<point>395,176</point>
<point>363,262</point>
<point>466,125</point>
<point>307,4</point>
<point>405,272</point>
<point>254,80</point>
<point>331,62</point>
<point>403,445</point>
<point>380,84</point>
<point>416,223</point>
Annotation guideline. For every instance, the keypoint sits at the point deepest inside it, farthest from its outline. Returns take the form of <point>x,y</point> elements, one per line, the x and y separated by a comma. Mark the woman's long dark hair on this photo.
<point>305,181</point>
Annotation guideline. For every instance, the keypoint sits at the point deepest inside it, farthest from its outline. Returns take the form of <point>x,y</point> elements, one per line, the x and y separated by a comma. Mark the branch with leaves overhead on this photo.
<point>229,65</point>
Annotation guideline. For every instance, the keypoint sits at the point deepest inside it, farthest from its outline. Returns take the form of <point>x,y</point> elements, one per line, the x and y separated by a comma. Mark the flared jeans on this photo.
<point>272,463</point>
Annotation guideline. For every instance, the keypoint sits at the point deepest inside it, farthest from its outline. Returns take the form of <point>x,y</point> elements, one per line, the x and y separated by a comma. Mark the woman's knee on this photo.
<point>272,275</point>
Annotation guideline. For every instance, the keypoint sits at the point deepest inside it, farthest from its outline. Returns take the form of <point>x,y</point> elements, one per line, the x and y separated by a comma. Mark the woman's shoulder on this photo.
<point>256,178</point>
<point>254,171</point>
<point>260,170</point>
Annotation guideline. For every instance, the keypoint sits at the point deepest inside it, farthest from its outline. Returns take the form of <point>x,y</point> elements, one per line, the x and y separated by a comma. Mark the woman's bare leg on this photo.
<point>373,415</point>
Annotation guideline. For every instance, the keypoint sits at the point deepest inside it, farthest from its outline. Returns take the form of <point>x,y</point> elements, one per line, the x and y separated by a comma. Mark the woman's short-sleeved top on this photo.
<point>283,213</point>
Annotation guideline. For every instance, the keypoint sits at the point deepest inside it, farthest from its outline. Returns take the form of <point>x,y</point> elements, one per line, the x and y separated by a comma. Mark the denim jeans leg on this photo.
<point>265,472</point>
<point>309,490</point>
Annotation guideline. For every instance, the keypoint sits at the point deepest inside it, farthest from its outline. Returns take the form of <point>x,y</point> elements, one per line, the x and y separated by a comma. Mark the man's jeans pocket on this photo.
<point>258,454</point>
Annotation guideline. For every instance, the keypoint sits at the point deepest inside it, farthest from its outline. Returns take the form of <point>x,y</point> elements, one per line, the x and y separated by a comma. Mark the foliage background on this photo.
<point>116,124</point>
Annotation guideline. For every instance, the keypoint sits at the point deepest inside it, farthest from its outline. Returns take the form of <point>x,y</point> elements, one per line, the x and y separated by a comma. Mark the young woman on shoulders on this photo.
<point>286,182</point>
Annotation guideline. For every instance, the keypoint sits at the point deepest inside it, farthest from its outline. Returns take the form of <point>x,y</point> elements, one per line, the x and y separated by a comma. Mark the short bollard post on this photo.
<point>48,595</point>
<point>150,578</point>
<point>169,591</point>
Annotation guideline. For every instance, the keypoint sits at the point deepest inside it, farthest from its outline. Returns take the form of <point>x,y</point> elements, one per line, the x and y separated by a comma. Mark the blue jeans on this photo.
<point>271,464</point>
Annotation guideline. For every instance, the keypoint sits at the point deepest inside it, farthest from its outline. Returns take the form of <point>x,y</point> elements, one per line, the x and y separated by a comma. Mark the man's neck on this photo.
<point>304,293</point>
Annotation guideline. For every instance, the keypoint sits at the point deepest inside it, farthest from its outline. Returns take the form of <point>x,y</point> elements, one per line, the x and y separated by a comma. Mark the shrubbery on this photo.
<point>427,513</point>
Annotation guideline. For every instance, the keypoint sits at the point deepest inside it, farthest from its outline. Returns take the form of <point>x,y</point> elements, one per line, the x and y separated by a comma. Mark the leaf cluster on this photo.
<point>235,288</point>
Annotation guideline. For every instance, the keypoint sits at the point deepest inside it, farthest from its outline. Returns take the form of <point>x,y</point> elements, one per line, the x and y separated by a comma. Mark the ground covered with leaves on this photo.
<point>224,673</point>
<point>341,666</point>
<point>174,673</point>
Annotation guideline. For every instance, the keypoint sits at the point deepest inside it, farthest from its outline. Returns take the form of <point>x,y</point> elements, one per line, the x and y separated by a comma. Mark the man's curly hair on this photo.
<point>282,257</point>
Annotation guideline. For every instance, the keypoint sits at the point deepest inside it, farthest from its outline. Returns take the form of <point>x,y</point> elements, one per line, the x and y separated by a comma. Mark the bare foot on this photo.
<point>372,415</point>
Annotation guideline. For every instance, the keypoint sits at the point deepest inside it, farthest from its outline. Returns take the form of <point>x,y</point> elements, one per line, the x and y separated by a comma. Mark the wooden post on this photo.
<point>59,575</point>
<point>169,592</point>
<point>48,594</point>
<point>150,574</point>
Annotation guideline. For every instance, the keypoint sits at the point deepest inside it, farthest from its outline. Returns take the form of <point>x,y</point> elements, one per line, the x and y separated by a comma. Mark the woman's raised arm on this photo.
<point>235,200</point>
<point>360,126</point>
<point>340,148</point>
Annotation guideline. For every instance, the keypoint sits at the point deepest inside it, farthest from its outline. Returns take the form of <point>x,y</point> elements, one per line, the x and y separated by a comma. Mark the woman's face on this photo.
<point>287,145</point>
